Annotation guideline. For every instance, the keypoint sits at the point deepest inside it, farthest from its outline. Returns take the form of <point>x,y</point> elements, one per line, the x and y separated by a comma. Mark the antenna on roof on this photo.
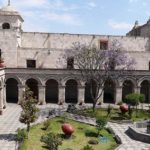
<point>8,2</point>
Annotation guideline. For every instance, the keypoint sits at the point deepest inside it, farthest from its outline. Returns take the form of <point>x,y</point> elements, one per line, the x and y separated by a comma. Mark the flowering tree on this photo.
<point>29,109</point>
<point>99,65</point>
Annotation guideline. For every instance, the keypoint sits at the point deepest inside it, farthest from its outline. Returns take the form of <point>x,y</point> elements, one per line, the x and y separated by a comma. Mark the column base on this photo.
<point>61,102</point>
<point>81,103</point>
<point>41,103</point>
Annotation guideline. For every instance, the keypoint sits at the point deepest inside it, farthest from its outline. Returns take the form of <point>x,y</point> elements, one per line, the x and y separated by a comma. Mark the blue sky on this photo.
<point>105,17</point>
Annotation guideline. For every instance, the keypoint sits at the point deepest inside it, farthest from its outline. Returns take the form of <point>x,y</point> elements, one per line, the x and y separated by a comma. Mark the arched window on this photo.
<point>6,26</point>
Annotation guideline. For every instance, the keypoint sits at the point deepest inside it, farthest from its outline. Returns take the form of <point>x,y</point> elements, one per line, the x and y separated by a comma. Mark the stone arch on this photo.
<point>143,79</point>
<point>109,91</point>
<point>87,95</point>
<point>51,91</point>
<point>51,78</point>
<point>11,90</point>
<point>145,89</point>
<point>127,88</point>
<point>14,77</point>
<point>71,91</point>
<point>6,25</point>
<point>33,86</point>
<point>63,81</point>
<point>33,77</point>
<point>133,80</point>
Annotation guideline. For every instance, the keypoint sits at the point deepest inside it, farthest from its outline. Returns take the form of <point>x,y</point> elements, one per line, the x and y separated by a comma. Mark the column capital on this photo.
<point>21,86</point>
<point>119,86</point>
<point>41,86</point>
<point>81,86</point>
<point>62,86</point>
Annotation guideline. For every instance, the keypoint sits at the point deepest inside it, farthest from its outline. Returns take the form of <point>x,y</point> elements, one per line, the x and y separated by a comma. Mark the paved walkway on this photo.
<point>9,124</point>
<point>127,142</point>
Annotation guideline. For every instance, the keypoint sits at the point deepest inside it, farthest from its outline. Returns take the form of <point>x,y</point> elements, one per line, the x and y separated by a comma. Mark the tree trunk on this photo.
<point>28,127</point>
<point>94,104</point>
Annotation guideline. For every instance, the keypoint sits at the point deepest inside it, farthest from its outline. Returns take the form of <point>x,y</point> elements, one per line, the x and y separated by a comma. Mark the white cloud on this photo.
<point>65,18</point>
<point>119,25</point>
<point>132,1</point>
<point>92,4</point>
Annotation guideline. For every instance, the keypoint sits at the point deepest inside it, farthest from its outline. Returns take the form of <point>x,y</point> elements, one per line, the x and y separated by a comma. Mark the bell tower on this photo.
<point>10,18</point>
<point>10,34</point>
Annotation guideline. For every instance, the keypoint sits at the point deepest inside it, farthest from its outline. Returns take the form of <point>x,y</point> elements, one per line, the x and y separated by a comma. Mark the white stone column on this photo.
<point>41,96</point>
<point>1,102</point>
<point>81,94</point>
<point>21,89</point>
<point>137,89</point>
<point>4,95</point>
<point>101,99</point>
<point>118,97</point>
<point>61,94</point>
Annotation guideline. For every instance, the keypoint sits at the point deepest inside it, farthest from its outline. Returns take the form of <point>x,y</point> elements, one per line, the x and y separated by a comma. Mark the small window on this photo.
<point>6,26</point>
<point>70,63</point>
<point>103,44</point>
<point>31,63</point>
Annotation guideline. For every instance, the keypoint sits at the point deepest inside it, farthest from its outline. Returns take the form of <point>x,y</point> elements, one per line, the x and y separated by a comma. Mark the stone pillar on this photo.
<point>118,97</point>
<point>61,97</point>
<point>81,94</point>
<point>4,95</point>
<point>21,89</point>
<point>41,96</point>
<point>101,99</point>
<point>1,101</point>
<point>137,89</point>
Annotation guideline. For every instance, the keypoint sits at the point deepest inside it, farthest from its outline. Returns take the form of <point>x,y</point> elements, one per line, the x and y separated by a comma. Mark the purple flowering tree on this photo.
<point>99,65</point>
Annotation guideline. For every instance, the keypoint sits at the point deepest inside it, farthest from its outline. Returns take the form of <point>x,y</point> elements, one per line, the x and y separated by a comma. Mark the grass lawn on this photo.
<point>115,114</point>
<point>83,133</point>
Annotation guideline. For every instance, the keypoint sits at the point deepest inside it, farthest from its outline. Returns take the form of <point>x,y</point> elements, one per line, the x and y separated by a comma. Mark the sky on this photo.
<point>102,17</point>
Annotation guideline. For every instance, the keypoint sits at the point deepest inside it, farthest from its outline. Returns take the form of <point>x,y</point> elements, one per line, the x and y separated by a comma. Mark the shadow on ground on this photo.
<point>8,137</point>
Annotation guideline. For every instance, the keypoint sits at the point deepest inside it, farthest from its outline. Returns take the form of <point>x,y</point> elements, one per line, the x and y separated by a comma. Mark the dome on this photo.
<point>8,8</point>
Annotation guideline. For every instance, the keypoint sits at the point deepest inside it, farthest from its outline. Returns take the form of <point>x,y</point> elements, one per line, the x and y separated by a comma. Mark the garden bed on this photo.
<point>83,133</point>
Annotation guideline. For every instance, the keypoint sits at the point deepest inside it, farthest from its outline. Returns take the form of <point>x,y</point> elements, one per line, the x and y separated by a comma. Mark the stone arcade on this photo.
<point>32,59</point>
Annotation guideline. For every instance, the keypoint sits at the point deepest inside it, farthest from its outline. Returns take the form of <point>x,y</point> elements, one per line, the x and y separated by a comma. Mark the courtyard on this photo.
<point>9,123</point>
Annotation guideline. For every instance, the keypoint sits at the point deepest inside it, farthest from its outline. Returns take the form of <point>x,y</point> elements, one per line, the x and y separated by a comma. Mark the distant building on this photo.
<point>30,58</point>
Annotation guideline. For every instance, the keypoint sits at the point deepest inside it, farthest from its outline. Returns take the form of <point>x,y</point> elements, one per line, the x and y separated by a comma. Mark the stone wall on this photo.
<point>47,48</point>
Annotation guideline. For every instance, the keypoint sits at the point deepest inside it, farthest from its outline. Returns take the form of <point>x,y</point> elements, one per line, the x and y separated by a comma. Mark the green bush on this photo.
<point>21,135</point>
<point>46,124</point>
<point>93,141</point>
<point>132,99</point>
<point>142,98</point>
<point>87,147</point>
<point>51,140</point>
<point>100,122</point>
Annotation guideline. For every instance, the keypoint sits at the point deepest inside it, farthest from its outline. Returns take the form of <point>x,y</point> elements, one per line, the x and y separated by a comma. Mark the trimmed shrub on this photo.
<point>51,140</point>
<point>21,135</point>
<point>100,122</point>
<point>93,141</point>
<point>132,99</point>
<point>46,124</point>
<point>87,147</point>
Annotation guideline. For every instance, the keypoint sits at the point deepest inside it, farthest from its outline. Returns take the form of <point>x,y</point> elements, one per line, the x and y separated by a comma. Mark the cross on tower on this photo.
<point>8,2</point>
